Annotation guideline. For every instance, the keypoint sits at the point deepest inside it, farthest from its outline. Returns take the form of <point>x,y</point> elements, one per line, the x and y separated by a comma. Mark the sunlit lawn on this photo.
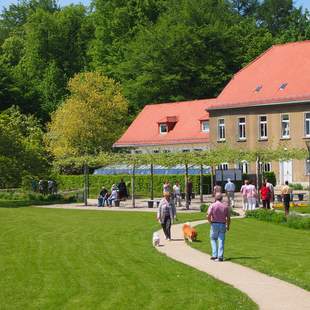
<point>270,248</point>
<point>71,259</point>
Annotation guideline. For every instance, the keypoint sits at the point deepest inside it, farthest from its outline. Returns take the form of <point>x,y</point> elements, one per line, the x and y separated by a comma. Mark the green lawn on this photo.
<point>270,248</point>
<point>71,259</point>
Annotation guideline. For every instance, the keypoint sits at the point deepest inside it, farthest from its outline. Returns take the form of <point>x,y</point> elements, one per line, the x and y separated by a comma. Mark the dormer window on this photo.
<point>205,126</point>
<point>163,129</point>
<point>282,86</point>
<point>258,88</point>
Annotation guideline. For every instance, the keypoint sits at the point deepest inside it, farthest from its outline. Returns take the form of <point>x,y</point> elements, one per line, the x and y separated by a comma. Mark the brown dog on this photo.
<point>189,232</point>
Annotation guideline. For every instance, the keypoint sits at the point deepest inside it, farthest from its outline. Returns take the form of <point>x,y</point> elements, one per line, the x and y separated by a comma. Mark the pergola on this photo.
<point>211,158</point>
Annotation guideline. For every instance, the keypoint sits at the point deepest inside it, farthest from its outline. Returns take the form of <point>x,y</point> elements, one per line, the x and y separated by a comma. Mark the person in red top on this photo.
<point>265,194</point>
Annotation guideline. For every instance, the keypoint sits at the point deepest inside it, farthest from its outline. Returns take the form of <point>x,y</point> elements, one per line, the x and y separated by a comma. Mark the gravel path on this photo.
<point>268,292</point>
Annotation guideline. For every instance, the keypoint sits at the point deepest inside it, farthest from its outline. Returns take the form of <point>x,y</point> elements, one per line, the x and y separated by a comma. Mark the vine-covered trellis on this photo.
<point>211,158</point>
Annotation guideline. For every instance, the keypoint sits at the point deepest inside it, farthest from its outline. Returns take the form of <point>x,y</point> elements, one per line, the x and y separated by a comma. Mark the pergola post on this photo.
<point>308,147</point>
<point>201,183</point>
<point>152,182</point>
<point>86,185</point>
<point>133,187</point>
<point>186,187</point>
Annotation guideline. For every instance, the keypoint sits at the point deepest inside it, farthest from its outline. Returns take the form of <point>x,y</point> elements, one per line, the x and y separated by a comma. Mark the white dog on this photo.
<point>156,239</point>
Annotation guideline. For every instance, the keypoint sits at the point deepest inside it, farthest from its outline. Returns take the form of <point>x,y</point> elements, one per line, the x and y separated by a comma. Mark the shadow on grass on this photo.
<point>27,203</point>
<point>242,257</point>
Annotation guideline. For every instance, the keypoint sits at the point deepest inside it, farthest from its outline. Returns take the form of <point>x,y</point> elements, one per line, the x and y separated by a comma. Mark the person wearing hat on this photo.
<point>219,218</point>
<point>165,215</point>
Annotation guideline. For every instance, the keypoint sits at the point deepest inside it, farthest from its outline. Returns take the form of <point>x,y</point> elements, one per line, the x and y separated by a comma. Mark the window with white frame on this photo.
<point>223,166</point>
<point>221,129</point>
<point>285,126</point>
<point>263,133</point>
<point>244,167</point>
<point>205,126</point>
<point>307,124</point>
<point>265,167</point>
<point>163,129</point>
<point>307,170</point>
<point>241,128</point>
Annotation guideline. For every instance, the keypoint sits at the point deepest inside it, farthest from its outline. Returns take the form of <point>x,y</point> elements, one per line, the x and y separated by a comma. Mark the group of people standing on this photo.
<point>175,192</point>
<point>118,192</point>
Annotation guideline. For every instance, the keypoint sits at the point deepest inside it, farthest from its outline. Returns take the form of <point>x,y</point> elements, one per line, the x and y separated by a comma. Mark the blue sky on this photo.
<point>304,3</point>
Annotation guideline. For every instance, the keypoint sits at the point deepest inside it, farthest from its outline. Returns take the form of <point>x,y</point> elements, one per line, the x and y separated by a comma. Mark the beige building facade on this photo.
<point>266,126</point>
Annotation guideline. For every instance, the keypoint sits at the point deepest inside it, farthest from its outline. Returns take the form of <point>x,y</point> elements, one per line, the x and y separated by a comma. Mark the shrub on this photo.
<point>204,207</point>
<point>294,220</point>
<point>296,186</point>
<point>271,177</point>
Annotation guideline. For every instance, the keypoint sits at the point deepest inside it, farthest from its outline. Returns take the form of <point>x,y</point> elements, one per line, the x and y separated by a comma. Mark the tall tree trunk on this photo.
<point>201,183</point>
<point>212,180</point>
<point>152,182</point>
<point>133,187</point>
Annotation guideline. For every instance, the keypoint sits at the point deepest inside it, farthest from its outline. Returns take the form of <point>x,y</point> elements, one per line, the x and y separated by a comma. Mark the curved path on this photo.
<point>268,292</point>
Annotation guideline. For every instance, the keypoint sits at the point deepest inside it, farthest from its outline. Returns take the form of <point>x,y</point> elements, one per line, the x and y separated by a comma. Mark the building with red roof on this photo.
<point>266,105</point>
<point>169,126</point>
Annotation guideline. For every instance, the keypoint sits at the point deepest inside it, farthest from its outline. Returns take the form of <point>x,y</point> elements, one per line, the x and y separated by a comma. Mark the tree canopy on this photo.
<point>90,119</point>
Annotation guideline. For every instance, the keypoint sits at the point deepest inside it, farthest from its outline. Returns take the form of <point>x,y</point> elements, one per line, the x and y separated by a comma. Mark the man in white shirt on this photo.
<point>177,194</point>
<point>230,192</point>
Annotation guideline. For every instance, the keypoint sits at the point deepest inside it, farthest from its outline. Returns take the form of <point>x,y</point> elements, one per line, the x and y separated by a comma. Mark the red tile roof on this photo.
<point>287,63</point>
<point>144,130</point>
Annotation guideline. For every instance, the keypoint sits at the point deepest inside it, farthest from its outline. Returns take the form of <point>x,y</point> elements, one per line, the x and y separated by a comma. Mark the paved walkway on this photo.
<point>269,293</point>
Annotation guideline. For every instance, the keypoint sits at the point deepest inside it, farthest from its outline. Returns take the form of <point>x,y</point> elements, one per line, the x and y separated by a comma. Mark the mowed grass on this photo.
<point>71,259</point>
<point>270,248</point>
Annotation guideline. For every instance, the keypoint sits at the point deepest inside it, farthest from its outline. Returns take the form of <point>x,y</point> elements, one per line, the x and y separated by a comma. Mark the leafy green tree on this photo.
<point>21,148</point>
<point>190,53</point>
<point>90,119</point>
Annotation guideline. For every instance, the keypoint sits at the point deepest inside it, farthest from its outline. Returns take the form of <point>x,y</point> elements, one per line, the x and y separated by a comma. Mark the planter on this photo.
<point>193,195</point>
<point>300,197</point>
<point>150,203</point>
<point>279,198</point>
<point>183,195</point>
<point>116,203</point>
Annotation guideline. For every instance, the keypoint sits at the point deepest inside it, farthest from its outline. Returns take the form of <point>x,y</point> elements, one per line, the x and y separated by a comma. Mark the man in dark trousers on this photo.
<point>122,190</point>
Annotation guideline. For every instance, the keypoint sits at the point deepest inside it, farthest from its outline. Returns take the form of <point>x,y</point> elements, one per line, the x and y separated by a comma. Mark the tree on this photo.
<point>21,148</point>
<point>91,118</point>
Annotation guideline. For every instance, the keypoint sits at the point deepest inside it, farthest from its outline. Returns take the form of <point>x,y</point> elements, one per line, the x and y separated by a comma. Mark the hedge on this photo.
<point>142,183</point>
<point>293,220</point>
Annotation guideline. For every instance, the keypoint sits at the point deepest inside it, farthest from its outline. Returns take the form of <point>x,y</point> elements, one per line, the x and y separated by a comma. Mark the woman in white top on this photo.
<point>243,191</point>
<point>251,195</point>
<point>177,194</point>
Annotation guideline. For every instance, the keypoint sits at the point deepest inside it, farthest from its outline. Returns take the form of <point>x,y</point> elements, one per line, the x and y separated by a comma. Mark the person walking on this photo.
<point>243,192</point>
<point>265,195</point>
<point>166,187</point>
<point>165,215</point>
<point>286,192</point>
<point>230,193</point>
<point>217,189</point>
<point>251,194</point>
<point>219,217</point>
<point>177,194</point>
<point>189,190</point>
<point>270,186</point>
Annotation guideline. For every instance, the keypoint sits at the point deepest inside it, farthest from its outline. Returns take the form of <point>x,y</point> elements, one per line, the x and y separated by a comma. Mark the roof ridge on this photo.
<point>178,102</point>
